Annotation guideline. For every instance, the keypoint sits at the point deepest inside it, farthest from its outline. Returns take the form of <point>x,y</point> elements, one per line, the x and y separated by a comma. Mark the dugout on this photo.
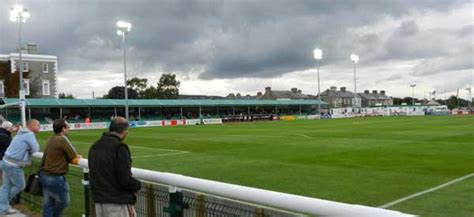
<point>100,110</point>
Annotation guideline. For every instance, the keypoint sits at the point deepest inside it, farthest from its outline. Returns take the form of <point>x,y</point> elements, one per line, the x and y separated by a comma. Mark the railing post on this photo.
<point>200,206</point>
<point>259,212</point>
<point>176,208</point>
<point>150,201</point>
<point>85,183</point>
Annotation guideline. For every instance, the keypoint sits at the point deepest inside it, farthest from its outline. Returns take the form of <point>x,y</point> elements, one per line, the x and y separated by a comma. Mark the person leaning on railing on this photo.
<point>6,130</point>
<point>58,153</point>
<point>113,188</point>
<point>17,157</point>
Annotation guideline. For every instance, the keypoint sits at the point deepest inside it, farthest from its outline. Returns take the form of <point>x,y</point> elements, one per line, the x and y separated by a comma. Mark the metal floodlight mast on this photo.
<point>123,28</point>
<point>355,59</point>
<point>20,15</point>
<point>318,55</point>
<point>413,94</point>
<point>469,89</point>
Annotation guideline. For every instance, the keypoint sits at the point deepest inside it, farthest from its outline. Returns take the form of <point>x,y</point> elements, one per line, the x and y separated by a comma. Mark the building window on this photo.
<point>25,67</point>
<point>45,68</point>
<point>26,83</point>
<point>46,87</point>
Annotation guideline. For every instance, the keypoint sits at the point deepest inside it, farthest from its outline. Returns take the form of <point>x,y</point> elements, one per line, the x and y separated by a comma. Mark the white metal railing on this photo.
<point>284,201</point>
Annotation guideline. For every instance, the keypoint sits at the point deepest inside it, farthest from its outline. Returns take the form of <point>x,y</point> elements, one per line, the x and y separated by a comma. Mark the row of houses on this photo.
<point>336,98</point>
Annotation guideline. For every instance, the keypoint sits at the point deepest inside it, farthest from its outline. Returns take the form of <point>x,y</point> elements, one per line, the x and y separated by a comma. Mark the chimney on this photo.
<point>299,91</point>
<point>366,91</point>
<point>382,92</point>
<point>294,89</point>
<point>31,48</point>
<point>374,91</point>
<point>343,89</point>
<point>258,93</point>
<point>268,89</point>
<point>333,88</point>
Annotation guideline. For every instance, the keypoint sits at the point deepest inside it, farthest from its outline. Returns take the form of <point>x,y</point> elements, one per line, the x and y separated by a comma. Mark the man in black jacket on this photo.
<point>6,130</point>
<point>112,186</point>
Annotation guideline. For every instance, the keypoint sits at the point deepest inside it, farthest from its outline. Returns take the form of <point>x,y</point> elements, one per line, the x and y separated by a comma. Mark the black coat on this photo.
<point>110,173</point>
<point>5,139</point>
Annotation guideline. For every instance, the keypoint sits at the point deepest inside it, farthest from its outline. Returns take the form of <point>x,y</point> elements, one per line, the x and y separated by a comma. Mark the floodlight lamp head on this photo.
<point>354,58</point>
<point>18,13</point>
<point>17,8</point>
<point>26,14</point>
<point>13,17</point>
<point>124,26</point>
<point>318,54</point>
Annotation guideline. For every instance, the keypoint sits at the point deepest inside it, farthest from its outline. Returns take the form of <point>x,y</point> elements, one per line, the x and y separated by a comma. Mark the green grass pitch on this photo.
<point>369,161</point>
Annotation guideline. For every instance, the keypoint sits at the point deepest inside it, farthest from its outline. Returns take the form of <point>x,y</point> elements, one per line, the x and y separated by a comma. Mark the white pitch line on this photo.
<point>133,146</point>
<point>426,191</point>
<point>303,135</point>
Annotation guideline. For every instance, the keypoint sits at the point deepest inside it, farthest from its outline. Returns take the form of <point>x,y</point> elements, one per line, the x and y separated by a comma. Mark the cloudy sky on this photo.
<point>219,47</point>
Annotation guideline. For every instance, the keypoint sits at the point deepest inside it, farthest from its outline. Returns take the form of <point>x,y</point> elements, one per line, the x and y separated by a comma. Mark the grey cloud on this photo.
<point>408,28</point>
<point>224,39</point>
<point>443,65</point>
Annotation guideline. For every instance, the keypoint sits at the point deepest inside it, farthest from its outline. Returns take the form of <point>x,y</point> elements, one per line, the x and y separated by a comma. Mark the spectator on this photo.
<point>112,186</point>
<point>17,156</point>
<point>6,130</point>
<point>88,120</point>
<point>58,153</point>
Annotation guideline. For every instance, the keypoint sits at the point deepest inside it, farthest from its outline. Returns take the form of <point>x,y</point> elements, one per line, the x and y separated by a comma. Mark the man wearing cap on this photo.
<point>6,130</point>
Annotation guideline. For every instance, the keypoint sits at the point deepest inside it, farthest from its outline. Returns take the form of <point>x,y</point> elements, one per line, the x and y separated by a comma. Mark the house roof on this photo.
<point>373,96</point>
<point>285,94</point>
<point>432,102</point>
<point>338,94</point>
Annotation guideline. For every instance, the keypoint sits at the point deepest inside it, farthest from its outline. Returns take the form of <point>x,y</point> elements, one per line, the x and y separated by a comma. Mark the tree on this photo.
<point>118,92</point>
<point>139,85</point>
<point>150,93</point>
<point>167,87</point>
<point>455,102</point>
<point>66,96</point>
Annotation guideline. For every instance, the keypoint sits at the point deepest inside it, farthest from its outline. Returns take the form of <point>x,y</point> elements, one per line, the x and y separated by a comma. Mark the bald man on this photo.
<point>17,157</point>
<point>110,170</point>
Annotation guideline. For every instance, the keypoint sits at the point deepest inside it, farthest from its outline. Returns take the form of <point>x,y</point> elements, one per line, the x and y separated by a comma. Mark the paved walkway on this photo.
<point>17,214</point>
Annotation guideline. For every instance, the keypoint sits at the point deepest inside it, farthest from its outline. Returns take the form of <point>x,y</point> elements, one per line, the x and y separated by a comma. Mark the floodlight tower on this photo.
<point>355,59</point>
<point>469,89</point>
<point>20,15</point>
<point>318,55</point>
<point>413,94</point>
<point>123,28</point>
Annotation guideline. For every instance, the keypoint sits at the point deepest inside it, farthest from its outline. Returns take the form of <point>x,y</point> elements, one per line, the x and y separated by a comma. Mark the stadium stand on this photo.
<point>101,110</point>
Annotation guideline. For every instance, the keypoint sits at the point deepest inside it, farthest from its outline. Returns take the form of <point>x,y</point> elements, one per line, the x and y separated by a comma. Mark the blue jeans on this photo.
<point>13,183</point>
<point>56,194</point>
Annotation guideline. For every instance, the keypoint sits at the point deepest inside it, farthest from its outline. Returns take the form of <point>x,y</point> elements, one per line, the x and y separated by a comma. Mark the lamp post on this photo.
<point>318,55</point>
<point>413,94</point>
<point>20,15</point>
<point>469,89</point>
<point>355,59</point>
<point>123,28</point>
